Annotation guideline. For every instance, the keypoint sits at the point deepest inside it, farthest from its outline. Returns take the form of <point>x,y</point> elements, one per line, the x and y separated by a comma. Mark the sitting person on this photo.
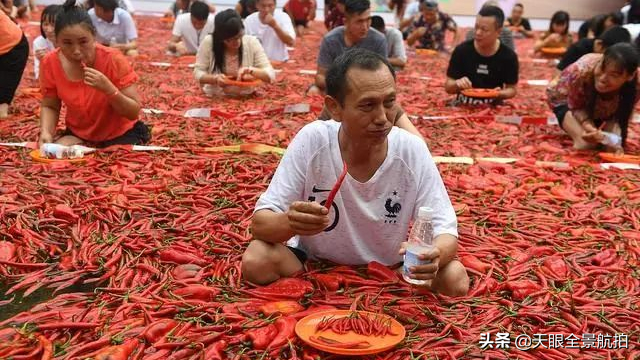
<point>485,62</point>
<point>246,8</point>
<point>46,42</point>
<point>506,36</point>
<point>14,53</point>
<point>594,98</point>
<point>229,53</point>
<point>616,34</point>
<point>273,28</point>
<point>301,12</point>
<point>190,29</point>
<point>396,52</point>
<point>184,6</point>
<point>518,24</point>
<point>114,27</point>
<point>430,29</point>
<point>385,165</point>
<point>356,32</point>
<point>558,35</point>
<point>94,82</point>
<point>335,14</point>
<point>598,24</point>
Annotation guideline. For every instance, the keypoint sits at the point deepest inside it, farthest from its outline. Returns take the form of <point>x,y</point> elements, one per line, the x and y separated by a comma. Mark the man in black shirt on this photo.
<point>484,62</point>
<point>519,25</point>
<point>614,35</point>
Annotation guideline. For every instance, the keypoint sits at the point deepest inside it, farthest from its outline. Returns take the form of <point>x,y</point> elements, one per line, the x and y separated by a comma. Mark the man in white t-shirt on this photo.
<point>273,28</point>
<point>390,176</point>
<point>190,29</point>
<point>114,26</point>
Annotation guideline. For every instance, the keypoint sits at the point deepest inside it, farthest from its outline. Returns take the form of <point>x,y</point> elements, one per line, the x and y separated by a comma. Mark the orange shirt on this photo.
<point>89,114</point>
<point>10,33</point>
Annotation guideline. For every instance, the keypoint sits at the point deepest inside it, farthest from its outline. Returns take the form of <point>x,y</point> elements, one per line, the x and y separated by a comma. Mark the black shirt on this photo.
<point>484,72</point>
<point>524,22</point>
<point>575,52</point>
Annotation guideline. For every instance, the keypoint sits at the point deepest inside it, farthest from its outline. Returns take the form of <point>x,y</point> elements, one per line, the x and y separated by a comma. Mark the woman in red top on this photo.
<point>301,12</point>
<point>14,53</point>
<point>95,82</point>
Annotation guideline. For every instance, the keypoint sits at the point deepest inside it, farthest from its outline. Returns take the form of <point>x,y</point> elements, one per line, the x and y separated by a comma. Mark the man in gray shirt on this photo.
<point>356,33</point>
<point>395,44</point>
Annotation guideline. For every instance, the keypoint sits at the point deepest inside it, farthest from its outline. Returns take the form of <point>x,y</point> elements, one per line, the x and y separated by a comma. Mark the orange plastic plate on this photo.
<point>611,157</point>
<point>306,327</point>
<point>35,155</point>
<point>429,52</point>
<point>553,50</point>
<point>481,93</point>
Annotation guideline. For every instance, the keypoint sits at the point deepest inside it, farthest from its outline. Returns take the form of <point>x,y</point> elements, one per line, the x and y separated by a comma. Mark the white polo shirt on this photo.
<point>191,37</point>
<point>275,49</point>
<point>122,28</point>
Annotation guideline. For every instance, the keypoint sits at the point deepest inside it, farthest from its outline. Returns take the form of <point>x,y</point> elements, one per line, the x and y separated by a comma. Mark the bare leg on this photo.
<point>69,140</point>
<point>451,280</point>
<point>264,263</point>
<point>4,111</point>
<point>575,131</point>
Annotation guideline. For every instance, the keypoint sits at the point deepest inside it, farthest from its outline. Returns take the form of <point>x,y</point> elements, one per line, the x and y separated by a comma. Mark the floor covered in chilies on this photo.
<point>550,241</point>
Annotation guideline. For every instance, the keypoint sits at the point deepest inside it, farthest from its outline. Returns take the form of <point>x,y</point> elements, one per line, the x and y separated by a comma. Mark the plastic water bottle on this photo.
<point>611,139</point>
<point>420,241</point>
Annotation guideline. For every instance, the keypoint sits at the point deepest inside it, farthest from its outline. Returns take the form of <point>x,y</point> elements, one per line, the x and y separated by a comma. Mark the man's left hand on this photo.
<point>427,271</point>
<point>98,80</point>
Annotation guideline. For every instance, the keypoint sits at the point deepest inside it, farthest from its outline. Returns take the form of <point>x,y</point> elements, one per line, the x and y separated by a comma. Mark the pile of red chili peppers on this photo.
<point>158,237</point>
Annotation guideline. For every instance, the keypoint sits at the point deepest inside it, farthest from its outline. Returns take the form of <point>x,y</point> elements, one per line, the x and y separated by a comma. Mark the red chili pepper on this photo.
<point>65,212</point>
<point>312,310</point>
<point>284,288</point>
<point>330,282</point>
<point>340,345</point>
<point>215,351</point>
<point>118,352</point>
<point>286,331</point>
<point>198,292</point>
<point>7,251</point>
<point>381,272</point>
<point>281,307</point>
<point>179,257</point>
<point>158,329</point>
<point>336,187</point>
<point>262,337</point>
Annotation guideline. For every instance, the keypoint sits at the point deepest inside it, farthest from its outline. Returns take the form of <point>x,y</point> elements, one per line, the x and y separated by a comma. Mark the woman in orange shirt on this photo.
<point>96,83</point>
<point>14,52</point>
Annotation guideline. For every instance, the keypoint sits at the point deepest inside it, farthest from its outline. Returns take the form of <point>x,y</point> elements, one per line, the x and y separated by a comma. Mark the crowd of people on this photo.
<point>82,60</point>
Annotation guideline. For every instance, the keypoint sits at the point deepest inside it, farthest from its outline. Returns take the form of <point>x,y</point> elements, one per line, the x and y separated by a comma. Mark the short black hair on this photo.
<point>71,15</point>
<point>336,78</point>
<point>615,35</point>
<point>518,4</point>
<point>598,27</point>
<point>49,14</point>
<point>109,5</point>
<point>352,7</point>
<point>495,12</point>
<point>200,10</point>
<point>377,22</point>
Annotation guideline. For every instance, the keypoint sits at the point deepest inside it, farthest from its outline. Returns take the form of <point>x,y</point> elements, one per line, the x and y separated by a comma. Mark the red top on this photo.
<point>89,114</point>
<point>300,9</point>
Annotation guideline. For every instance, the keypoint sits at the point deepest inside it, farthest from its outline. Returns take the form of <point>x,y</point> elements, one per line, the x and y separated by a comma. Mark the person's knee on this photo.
<point>455,281</point>
<point>257,262</point>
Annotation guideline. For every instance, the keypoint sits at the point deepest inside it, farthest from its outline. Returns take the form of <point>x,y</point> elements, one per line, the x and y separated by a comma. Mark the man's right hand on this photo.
<point>464,83</point>
<point>45,137</point>
<point>307,218</point>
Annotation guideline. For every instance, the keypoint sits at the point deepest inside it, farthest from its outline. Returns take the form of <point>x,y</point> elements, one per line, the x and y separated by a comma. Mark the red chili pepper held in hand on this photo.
<point>336,187</point>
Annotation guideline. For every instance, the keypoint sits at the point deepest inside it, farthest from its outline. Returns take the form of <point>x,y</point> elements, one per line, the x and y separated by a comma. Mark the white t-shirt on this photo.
<point>122,28</point>
<point>634,30</point>
<point>275,49</point>
<point>412,10</point>
<point>368,220</point>
<point>190,36</point>
<point>38,44</point>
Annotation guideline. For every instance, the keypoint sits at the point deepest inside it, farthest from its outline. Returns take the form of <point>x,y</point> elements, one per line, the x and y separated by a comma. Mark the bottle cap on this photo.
<point>425,211</point>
